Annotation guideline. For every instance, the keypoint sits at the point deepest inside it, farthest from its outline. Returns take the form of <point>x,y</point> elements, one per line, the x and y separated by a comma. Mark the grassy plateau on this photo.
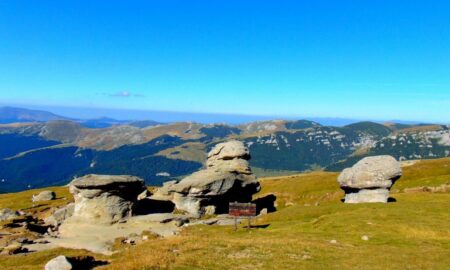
<point>311,229</point>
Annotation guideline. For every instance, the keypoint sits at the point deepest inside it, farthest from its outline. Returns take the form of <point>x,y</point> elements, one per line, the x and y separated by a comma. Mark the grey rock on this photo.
<point>227,177</point>
<point>8,214</point>
<point>46,195</point>
<point>370,179</point>
<point>59,263</point>
<point>105,198</point>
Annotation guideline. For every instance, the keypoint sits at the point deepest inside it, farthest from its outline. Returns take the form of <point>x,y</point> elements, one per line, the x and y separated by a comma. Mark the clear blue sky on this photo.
<point>354,59</point>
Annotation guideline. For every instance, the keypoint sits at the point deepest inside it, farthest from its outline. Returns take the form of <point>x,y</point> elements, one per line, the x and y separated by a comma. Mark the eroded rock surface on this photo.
<point>370,179</point>
<point>227,177</point>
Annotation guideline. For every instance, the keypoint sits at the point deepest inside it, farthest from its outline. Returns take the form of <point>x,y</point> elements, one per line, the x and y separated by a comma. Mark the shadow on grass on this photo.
<point>261,226</point>
<point>85,262</point>
<point>267,202</point>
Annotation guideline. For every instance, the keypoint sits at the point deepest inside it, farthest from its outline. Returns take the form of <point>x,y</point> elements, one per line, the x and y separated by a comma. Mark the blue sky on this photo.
<point>352,59</point>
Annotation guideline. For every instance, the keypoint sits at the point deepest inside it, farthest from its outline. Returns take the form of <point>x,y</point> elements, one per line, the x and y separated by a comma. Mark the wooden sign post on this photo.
<point>246,210</point>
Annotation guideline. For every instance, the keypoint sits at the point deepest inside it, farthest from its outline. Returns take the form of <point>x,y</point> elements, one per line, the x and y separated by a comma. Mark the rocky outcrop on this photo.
<point>105,198</point>
<point>46,195</point>
<point>227,177</point>
<point>370,179</point>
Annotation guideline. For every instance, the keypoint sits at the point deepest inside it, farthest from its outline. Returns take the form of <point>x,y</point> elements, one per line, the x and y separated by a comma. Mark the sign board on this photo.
<point>242,209</point>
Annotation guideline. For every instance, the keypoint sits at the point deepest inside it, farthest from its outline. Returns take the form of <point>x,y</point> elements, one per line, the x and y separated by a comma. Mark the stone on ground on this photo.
<point>46,195</point>
<point>59,263</point>
<point>8,214</point>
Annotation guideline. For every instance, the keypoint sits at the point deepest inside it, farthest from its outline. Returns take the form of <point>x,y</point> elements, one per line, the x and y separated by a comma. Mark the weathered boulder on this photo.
<point>46,195</point>
<point>8,214</point>
<point>60,215</point>
<point>59,263</point>
<point>105,198</point>
<point>227,177</point>
<point>370,179</point>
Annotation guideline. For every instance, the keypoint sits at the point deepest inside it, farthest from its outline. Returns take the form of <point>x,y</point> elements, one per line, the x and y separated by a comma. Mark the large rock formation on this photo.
<point>370,179</point>
<point>105,198</point>
<point>227,177</point>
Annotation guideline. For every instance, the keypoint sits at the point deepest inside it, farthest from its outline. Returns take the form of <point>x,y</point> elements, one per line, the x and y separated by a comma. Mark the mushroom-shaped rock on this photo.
<point>46,195</point>
<point>227,178</point>
<point>370,179</point>
<point>105,198</point>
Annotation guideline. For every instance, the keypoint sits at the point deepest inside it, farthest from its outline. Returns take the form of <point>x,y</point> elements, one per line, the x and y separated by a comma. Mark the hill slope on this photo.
<point>15,115</point>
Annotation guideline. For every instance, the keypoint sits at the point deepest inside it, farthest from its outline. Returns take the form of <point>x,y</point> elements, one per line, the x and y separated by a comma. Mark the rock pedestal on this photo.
<point>370,179</point>
<point>105,198</point>
<point>227,178</point>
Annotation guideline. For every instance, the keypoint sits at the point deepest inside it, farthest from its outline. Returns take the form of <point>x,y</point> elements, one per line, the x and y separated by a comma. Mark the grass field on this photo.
<point>411,233</point>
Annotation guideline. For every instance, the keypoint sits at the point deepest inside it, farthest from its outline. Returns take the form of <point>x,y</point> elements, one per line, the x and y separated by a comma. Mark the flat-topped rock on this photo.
<point>105,198</point>
<point>370,179</point>
<point>96,181</point>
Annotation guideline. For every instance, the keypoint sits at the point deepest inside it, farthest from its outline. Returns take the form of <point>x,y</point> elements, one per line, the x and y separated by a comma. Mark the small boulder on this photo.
<point>59,263</point>
<point>46,195</point>
<point>370,179</point>
<point>8,214</point>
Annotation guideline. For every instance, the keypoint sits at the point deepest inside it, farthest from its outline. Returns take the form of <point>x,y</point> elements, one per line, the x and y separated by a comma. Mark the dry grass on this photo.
<point>412,233</point>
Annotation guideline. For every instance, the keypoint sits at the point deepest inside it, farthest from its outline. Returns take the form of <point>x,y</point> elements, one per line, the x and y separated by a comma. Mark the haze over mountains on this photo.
<point>41,149</point>
<point>121,116</point>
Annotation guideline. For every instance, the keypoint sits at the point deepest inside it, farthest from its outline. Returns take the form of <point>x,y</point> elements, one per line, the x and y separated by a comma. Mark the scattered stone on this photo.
<point>333,242</point>
<point>13,249</point>
<point>365,238</point>
<point>227,178</point>
<point>24,240</point>
<point>46,195</point>
<point>8,214</point>
<point>59,263</point>
<point>60,215</point>
<point>370,179</point>
<point>105,198</point>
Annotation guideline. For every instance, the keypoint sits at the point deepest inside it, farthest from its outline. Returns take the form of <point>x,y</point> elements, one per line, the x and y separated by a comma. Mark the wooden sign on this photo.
<point>242,209</point>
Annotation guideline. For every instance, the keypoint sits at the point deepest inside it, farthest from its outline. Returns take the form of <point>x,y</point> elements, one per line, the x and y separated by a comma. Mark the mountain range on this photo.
<point>42,149</point>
